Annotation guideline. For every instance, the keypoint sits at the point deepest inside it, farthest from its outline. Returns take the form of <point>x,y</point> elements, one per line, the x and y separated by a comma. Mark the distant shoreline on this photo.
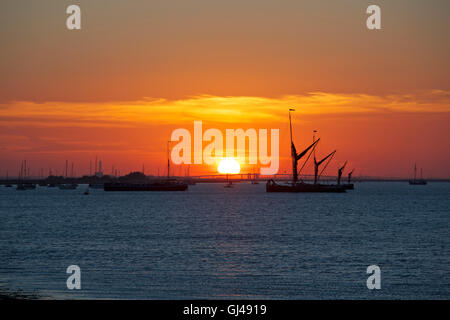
<point>223,180</point>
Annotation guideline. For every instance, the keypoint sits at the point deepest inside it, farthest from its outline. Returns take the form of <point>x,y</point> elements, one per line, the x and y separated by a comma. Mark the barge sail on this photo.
<point>301,186</point>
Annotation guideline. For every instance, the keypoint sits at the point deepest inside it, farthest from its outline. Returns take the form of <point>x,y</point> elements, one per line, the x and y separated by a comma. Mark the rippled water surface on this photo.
<point>215,242</point>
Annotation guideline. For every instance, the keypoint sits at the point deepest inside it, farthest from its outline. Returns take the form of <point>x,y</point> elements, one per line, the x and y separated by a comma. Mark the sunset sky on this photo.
<point>137,70</point>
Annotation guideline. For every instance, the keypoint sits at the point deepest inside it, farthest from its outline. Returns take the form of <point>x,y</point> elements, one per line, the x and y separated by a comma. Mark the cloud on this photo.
<point>215,109</point>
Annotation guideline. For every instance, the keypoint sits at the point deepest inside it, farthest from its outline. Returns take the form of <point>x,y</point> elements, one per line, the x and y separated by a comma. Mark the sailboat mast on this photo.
<point>168,160</point>
<point>290,124</point>
<point>350,175</point>
<point>293,151</point>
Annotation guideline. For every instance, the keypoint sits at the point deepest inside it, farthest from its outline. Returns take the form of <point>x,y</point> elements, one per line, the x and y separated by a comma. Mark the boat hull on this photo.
<point>349,186</point>
<point>96,185</point>
<point>145,187</point>
<point>418,182</point>
<point>67,186</point>
<point>303,187</point>
<point>26,187</point>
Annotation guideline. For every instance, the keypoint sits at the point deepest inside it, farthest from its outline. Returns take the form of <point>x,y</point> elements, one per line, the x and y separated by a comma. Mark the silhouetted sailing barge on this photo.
<point>300,186</point>
<point>141,183</point>
<point>155,186</point>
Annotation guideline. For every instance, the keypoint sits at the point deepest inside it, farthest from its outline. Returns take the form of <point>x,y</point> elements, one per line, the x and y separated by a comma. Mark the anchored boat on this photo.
<point>8,185</point>
<point>139,182</point>
<point>154,186</point>
<point>301,186</point>
<point>26,186</point>
<point>71,186</point>
<point>415,181</point>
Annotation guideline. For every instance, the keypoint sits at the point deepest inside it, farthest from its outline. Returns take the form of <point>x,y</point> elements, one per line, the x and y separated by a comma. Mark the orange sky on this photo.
<point>381,136</point>
<point>139,69</point>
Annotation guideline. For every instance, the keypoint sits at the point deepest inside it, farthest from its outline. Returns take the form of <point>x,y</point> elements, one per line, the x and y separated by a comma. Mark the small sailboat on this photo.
<point>23,174</point>
<point>8,185</point>
<point>229,183</point>
<point>415,181</point>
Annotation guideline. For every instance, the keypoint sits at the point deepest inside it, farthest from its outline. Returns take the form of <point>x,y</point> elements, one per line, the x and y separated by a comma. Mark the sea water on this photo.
<point>212,242</point>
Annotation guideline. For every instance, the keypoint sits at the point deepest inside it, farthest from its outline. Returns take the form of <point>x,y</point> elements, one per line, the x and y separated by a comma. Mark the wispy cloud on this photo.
<point>214,109</point>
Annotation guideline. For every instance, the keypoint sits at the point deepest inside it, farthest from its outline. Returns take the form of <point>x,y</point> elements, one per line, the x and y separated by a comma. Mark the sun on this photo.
<point>229,166</point>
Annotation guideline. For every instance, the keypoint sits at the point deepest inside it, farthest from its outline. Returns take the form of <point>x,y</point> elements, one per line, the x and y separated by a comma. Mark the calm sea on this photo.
<point>220,243</point>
